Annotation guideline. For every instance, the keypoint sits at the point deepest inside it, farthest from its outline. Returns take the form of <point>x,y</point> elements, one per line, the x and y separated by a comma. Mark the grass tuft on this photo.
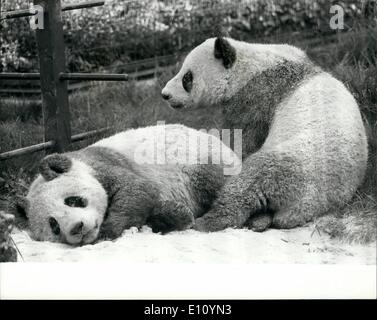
<point>356,223</point>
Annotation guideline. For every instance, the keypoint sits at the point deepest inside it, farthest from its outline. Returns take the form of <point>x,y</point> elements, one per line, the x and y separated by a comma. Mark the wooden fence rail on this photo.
<point>66,76</point>
<point>21,85</point>
<point>67,7</point>
<point>53,79</point>
<point>49,144</point>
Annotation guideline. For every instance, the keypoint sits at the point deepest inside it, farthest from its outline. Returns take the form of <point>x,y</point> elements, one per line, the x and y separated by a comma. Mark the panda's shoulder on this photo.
<point>99,157</point>
<point>288,52</point>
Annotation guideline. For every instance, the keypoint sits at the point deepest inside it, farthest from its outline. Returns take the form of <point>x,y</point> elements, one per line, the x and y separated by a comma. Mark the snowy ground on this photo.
<point>298,246</point>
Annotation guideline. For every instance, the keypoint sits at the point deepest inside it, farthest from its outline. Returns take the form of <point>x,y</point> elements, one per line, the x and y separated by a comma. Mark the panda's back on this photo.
<point>171,144</point>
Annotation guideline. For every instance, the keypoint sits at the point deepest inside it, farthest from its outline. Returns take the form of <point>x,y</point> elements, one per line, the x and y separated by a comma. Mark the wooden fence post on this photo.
<point>51,52</point>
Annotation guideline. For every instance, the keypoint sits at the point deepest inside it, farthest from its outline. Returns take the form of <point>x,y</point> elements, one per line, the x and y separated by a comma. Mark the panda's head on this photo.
<point>219,67</point>
<point>205,70</point>
<point>65,203</point>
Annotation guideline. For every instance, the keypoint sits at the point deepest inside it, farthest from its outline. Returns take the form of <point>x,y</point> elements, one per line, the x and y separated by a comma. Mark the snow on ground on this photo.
<point>296,246</point>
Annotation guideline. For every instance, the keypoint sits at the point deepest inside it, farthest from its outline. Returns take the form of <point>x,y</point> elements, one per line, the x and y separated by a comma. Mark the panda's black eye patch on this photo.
<point>76,202</point>
<point>187,81</point>
<point>54,225</point>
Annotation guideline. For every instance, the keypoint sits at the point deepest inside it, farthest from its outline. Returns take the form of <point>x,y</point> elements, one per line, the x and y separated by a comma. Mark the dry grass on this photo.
<point>356,223</point>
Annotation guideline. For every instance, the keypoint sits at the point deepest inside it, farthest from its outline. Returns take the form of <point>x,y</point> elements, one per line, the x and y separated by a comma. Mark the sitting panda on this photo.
<point>304,142</point>
<point>163,176</point>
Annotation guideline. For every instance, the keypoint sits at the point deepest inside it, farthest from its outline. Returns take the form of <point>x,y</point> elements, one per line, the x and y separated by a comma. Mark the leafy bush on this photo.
<point>123,31</point>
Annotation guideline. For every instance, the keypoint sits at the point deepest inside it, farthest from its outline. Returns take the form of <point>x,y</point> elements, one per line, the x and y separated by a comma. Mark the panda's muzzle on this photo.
<point>165,96</point>
<point>177,106</point>
<point>77,229</point>
<point>82,233</point>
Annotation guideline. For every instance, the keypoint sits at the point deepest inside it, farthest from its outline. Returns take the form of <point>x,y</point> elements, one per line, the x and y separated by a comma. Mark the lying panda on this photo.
<point>304,142</point>
<point>164,176</point>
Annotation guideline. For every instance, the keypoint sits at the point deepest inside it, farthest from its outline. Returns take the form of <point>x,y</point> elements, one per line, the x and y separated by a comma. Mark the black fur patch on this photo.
<point>225,52</point>
<point>76,202</point>
<point>252,109</point>
<point>187,81</point>
<point>54,165</point>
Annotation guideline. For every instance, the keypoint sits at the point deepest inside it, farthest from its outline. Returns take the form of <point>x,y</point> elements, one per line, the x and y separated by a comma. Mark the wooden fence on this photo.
<point>136,70</point>
<point>53,79</point>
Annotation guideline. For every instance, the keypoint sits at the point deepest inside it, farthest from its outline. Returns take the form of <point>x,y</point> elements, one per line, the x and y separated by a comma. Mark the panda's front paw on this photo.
<point>169,216</point>
<point>108,232</point>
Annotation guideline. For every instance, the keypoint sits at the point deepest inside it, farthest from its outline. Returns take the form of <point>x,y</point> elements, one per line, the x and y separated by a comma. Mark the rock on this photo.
<point>7,252</point>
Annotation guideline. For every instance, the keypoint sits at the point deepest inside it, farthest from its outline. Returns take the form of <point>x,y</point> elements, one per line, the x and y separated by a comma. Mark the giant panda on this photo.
<point>304,142</point>
<point>164,176</point>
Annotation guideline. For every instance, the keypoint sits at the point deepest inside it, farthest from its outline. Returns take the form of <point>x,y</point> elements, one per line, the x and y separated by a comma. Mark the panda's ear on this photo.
<point>54,165</point>
<point>225,52</point>
<point>19,209</point>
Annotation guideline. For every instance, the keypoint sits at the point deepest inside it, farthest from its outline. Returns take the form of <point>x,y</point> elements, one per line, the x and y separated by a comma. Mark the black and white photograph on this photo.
<point>136,135</point>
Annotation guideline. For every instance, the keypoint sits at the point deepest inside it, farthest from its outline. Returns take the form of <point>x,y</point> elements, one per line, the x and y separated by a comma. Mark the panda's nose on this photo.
<point>77,229</point>
<point>165,96</point>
